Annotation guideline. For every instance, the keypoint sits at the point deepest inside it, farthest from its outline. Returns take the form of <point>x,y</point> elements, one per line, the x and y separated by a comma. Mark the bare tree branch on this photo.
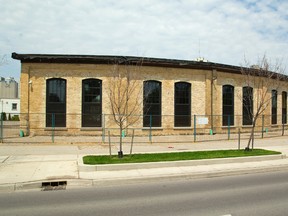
<point>3,60</point>
<point>262,79</point>
<point>124,93</point>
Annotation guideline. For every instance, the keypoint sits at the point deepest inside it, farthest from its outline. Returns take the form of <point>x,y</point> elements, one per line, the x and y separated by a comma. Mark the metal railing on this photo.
<point>149,129</point>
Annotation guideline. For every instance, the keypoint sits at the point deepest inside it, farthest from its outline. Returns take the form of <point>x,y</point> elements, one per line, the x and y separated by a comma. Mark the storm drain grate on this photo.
<point>57,185</point>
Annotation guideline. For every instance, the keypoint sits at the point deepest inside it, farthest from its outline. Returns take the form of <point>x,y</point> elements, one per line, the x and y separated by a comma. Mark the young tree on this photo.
<point>3,60</point>
<point>124,93</point>
<point>257,94</point>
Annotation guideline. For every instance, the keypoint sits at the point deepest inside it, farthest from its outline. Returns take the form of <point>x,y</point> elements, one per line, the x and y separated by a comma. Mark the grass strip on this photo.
<point>174,156</point>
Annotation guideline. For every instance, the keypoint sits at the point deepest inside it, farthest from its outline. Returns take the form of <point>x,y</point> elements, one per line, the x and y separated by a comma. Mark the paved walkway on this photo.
<point>26,166</point>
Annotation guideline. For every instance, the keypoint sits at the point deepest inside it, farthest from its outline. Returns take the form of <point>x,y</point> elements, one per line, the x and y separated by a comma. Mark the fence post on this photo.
<point>211,132</point>
<point>110,151</point>
<point>103,128</point>
<point>262,133</point>
<point>239,138</point>
<point>1,128</point>
<point>228,127</point>
<point>212,126</point>
<point>194,128</point>
<point>53,126</point>
<point>150,130</point>
<point>27,125</point>
<point>132,141</point>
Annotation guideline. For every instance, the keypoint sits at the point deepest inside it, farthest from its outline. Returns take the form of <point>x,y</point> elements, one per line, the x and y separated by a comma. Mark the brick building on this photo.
<point>69,93</point>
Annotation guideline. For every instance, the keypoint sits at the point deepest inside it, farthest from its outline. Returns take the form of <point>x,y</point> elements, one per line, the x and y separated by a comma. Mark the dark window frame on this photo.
<point>274,106</point>
<point>152,103</point>
<point>182,104</point>
<point>14,106</point>
<point>284,107</point>
<point>247,105</point>
<point>227,105</point>
<point>56,102</point>
<point>91,112</point>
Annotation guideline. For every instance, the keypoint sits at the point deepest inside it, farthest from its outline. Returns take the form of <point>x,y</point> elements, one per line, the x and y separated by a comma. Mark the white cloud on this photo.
<point>225,30</point>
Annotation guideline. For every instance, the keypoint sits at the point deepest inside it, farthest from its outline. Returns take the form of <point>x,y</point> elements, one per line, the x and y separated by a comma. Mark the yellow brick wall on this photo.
<point>200,80</point>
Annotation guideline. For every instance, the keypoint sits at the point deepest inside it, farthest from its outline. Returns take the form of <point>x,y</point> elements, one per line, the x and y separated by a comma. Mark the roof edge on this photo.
<point>109,59</point>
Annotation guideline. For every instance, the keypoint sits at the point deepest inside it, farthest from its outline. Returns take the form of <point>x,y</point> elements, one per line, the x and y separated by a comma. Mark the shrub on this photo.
<point>15,118</point>
<point>3,116</point>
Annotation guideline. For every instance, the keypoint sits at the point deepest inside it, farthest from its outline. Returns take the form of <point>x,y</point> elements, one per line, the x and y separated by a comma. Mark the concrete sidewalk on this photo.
<point>24,166</point>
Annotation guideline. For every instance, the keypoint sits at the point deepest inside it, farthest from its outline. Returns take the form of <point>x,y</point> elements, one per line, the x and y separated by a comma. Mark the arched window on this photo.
<point>152,104</point>
<point>91,103</point>
<point>274,107</point>
<point>284,107</point>
<point>247,105</point>
<point>182,103</point>
<point>56,103</point>
<point>228,105</point>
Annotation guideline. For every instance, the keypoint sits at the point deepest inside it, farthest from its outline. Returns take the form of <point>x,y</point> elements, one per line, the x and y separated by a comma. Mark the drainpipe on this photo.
<point>212,97</point>
<point>28,117</point>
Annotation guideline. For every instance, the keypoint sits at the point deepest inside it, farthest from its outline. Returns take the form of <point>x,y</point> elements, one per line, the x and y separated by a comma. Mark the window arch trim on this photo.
<point>247,105</point>
<point>182,104</point>
<point>284,107</point>
<point>274,99</point>
<point>56,89</point>
<point>227,105</point>
<point>152,103</point>
<point>91,102</point>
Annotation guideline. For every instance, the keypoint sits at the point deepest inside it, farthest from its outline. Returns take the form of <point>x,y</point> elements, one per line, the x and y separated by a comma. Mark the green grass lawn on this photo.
<point>175,156</point>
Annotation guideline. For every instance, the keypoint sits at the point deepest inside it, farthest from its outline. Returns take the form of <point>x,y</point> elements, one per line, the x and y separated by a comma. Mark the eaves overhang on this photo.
<point>107,59</point>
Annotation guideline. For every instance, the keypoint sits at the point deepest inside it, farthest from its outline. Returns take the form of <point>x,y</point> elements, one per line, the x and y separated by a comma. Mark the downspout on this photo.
<point>212,97</point>
<point>28,117</point>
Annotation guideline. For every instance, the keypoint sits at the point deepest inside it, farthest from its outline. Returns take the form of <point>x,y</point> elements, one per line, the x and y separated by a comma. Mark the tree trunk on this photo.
<point>251,138</point>
<point>120,153</point>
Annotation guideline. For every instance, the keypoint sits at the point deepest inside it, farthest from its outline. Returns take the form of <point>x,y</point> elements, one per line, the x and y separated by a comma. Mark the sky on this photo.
<point>221,31</point>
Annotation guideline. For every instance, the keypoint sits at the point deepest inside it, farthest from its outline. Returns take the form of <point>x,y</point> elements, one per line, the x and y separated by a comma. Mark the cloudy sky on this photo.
<point>222,31</point>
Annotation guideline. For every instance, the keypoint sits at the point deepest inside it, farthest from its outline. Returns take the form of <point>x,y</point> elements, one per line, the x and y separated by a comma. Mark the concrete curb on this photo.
<point>114,167</point>
<point>196,175</point>
<point>77,182</point>
<point>37,185</point>
<point>20,186</point>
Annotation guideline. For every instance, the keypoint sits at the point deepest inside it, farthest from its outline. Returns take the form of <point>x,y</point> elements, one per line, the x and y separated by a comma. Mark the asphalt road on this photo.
<point>259,194</point>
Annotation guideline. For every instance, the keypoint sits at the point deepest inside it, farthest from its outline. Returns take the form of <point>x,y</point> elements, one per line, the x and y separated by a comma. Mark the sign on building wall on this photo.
<point>202,120</point>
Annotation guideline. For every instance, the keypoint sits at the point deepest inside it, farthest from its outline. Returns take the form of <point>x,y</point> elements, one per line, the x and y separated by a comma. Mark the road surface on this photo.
<point>258,194</point>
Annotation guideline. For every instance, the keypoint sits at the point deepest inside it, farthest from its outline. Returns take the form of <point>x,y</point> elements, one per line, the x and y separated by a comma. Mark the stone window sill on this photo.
<point>152,128</point>
<point>91,129</point>
<point>55,129</point>
<point>182,128</point>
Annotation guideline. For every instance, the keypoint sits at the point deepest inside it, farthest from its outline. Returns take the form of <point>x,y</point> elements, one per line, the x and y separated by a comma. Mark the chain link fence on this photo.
<point>145,129</point>
<point>9,125</point>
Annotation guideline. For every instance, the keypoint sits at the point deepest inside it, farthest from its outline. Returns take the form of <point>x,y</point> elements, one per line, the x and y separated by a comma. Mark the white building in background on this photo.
<point>8,88</point>
<point>10,106</point>
<point>9,98</point>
